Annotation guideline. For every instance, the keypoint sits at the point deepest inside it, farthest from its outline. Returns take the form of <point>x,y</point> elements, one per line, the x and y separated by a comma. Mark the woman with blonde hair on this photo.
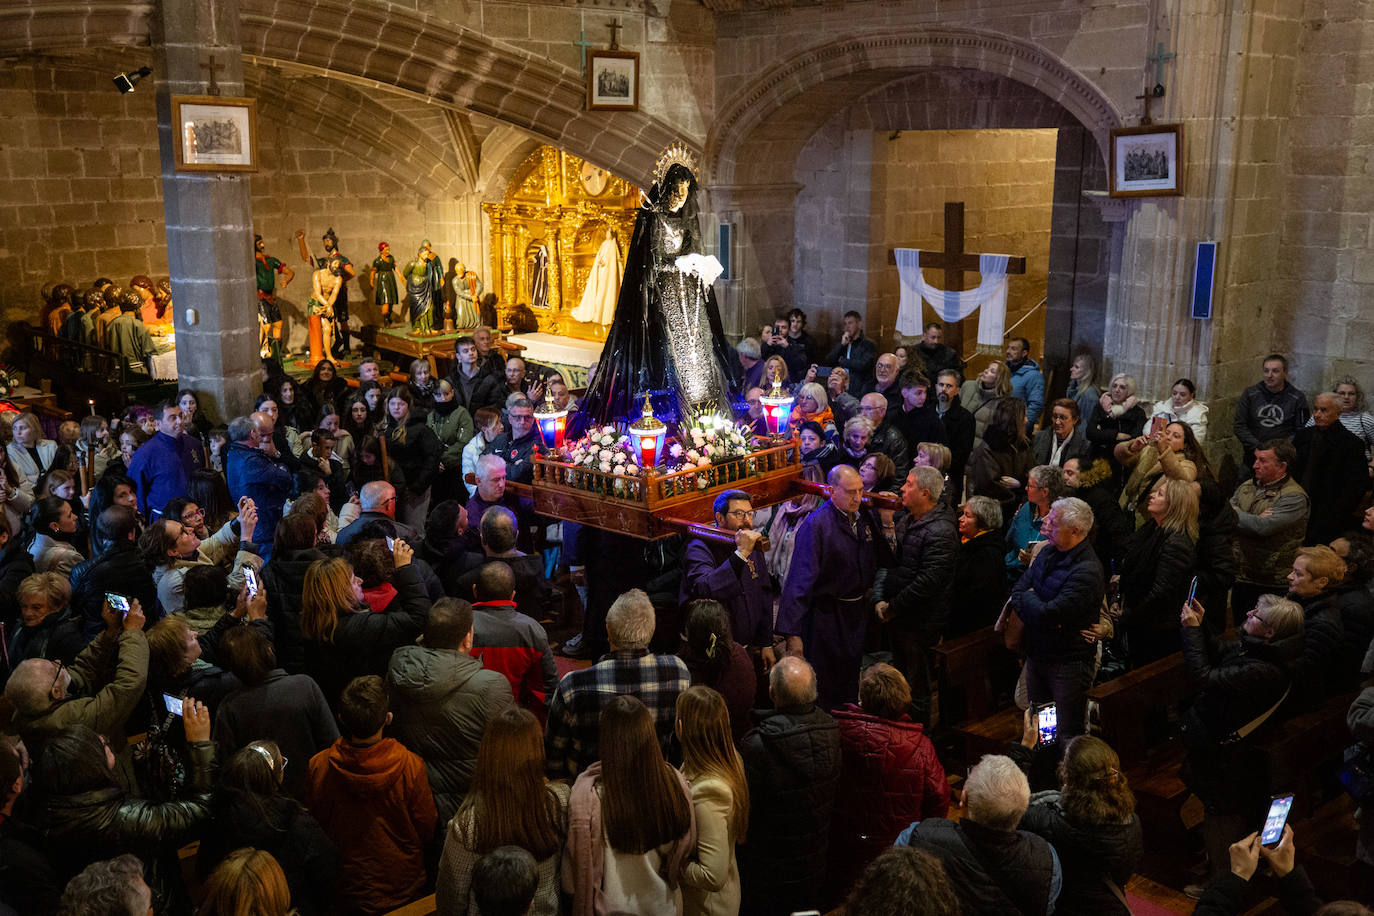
<point>247,883</point>
<point>774,367</point>
<point>1157,565</point>
<point>343,638</point>
<point>510,803</point>
<point>1115,418</point>
<point>1083,383</point>
<point>30,454</point>
<point>720,799</point>
<point>979,396</point>
<point>813,405</point>
<point>1092,824</point>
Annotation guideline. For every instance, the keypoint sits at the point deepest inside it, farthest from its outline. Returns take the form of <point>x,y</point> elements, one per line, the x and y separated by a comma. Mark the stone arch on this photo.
<point>769,120</point>
<point>381,45</point>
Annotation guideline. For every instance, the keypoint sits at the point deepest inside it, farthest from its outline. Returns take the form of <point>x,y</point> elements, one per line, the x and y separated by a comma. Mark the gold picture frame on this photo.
<point>1146,161</point>
<point>213,133</point>
<point>612,81</point>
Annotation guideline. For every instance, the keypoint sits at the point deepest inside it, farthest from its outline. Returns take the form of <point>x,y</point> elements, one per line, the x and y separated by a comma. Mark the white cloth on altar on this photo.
<point>603,285</point>
<point>990,297</point>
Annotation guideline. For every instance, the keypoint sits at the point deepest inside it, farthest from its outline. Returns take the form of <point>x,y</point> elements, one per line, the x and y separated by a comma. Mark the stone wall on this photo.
<point>1324,227</point>
<point>1005,179</point>
<point>80,193</point>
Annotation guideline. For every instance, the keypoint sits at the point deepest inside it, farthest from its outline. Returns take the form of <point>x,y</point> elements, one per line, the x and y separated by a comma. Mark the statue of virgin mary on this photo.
<point>666,339</point>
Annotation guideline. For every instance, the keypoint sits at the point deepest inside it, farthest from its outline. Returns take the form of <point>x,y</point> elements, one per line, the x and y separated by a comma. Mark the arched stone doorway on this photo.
<point>929,79</point>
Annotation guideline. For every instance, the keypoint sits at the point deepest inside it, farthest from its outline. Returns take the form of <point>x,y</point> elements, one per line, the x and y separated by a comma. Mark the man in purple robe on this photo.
<point>825,601</point>
<point>735,575</point>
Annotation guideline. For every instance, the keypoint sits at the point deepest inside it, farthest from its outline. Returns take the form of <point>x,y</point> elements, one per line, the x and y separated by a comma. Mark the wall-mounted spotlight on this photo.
<point>126,82</point>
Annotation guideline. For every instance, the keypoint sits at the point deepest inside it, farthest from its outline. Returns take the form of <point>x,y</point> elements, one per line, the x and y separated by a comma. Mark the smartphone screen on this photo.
<point>250,578</point>
<point>173,704</point>
<point>1192,590</point>
<point>391,544</point>
<point>118,603</point>
<point>1275,819</point>
<point>1047,723</point>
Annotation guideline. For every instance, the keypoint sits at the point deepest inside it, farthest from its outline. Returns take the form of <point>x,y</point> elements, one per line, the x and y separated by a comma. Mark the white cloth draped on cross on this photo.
<point>990,297</point>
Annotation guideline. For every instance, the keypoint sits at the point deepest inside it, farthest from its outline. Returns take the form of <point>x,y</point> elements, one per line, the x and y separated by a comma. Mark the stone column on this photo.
<point>208,215</point>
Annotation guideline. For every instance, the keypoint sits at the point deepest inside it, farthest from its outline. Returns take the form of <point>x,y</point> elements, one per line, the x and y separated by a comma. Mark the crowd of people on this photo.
<point>325,625</point>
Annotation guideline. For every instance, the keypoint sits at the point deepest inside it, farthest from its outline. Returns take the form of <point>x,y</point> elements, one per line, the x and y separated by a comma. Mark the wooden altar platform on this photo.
<point>660,505</point>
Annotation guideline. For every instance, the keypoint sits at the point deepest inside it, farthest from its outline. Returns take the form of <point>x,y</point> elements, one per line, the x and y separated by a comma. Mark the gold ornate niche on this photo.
<point>565,205</point>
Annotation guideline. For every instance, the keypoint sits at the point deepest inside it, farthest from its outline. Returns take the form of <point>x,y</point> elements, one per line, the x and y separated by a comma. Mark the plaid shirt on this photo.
<point>575,710</point>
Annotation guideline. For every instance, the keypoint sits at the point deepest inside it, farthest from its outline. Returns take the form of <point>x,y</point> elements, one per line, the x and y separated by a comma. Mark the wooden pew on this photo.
<point>966,665</point>
<point>1124,703</point>
<point>1304,749</point>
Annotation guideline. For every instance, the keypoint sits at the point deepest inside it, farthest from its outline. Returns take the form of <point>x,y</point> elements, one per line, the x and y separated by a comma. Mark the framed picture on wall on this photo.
<point>612,81</point>
<point>213,133</point>
<point>1147,161</point>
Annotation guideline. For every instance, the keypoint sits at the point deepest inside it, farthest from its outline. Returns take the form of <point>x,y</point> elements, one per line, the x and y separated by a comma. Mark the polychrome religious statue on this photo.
<point>666,338</point>
<point>385,290</point>
<point>269,313</point>
<point>327,286</point>
<point>339,348</point>
<point>424,285</point>
<point>467,290</point>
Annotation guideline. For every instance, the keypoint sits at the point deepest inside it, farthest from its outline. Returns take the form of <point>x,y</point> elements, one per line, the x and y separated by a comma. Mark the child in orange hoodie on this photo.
<point>372,797</point>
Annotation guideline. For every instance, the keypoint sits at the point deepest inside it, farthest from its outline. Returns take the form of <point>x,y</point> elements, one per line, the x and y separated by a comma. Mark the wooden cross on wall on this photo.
<point>955,262</point>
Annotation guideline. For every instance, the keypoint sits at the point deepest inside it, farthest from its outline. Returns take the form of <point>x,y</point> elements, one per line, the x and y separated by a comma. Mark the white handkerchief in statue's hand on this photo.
<point>704,266</point>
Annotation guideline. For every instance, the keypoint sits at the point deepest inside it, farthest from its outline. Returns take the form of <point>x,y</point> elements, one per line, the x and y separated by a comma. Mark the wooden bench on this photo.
<point>1304,749</point>
<point>966,666</point>
<point>1124,703</point>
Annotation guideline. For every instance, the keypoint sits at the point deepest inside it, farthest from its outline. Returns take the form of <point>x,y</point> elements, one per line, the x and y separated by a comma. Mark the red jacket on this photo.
<point>890,777</point>
<point>376,806</point>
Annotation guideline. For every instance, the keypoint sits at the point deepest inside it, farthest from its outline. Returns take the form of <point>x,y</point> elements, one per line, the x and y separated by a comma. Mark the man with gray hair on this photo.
<point>913,598</point>
<point>516,445</point>
<point>792,765</point>
<point>751,359</point>
<point>997,868</point>
<point>630,668</point>
<point>110,887</point>
<point>492,473</point>
<point>1058,597</point>
<point>377,499</point>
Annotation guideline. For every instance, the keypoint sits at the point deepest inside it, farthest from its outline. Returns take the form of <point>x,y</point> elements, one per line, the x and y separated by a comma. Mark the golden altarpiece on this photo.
<point>547,231</point>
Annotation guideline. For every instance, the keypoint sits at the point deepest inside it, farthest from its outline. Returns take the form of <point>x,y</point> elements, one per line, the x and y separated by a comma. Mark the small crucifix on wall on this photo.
<point>615,27</point>
<point>213,87</point>
<point>1158,59</point>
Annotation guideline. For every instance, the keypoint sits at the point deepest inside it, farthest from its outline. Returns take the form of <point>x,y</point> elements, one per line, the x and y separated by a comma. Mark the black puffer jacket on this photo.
<point>1239,679</point>
<point>363,641</point>
<point>103,823</point>
<point>284,579</point>
<point>997,871</point>
<point>1357,618</point>
<point>1156,568</point>
<point>284,828</point>
<point>918,588</point>
<point>121,570</point>
<point>792,764</point>
<point>1326,662</point>
<point>1103,430</point>
<point>1087,854</point>
<point>57,637</point>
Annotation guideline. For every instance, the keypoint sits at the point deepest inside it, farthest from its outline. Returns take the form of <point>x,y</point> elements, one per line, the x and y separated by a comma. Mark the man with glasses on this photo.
<point>735,575</point>
<point>99,690</point>
<point>516,445</point>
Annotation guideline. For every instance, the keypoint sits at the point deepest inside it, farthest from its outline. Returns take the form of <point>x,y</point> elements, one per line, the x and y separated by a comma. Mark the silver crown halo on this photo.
<point>677,153</point>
